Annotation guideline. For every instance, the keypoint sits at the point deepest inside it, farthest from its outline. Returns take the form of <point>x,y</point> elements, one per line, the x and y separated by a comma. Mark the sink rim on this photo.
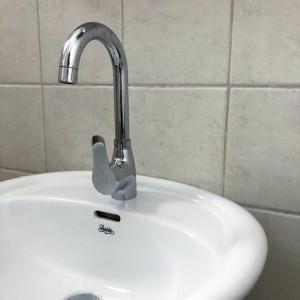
<point>9,189</point>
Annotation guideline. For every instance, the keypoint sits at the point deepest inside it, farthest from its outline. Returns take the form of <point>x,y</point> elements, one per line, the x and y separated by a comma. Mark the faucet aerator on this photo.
<point>67,75</point>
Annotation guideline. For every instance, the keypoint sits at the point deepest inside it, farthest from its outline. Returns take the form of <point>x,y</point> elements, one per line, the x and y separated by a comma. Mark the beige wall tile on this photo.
<point>177,41</point>
<point>21,129</point>
<point>10,174</point>
<point>178,134</point>
<point>73,116</point>
<point>263,153</point>
<point>280,278</point>
<point>19,47</point>
<point>266,42</point>
<point>59,18</point>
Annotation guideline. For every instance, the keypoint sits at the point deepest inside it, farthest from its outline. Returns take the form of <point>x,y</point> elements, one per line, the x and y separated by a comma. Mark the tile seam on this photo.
<point>227,98</point>
<point>42,87</point>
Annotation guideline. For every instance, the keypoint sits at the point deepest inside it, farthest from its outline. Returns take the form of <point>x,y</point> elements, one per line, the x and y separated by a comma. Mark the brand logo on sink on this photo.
<point>105,229</point>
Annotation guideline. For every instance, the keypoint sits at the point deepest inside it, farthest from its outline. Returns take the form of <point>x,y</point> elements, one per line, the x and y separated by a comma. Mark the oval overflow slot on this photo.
<point>83,297</point>
<point>107,216</point>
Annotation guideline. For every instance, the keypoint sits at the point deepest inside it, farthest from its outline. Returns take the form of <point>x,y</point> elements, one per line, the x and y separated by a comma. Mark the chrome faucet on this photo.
<point>116,178</point>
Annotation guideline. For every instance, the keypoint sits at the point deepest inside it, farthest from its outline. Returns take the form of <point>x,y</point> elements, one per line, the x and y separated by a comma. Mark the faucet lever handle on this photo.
<point>103,177</point>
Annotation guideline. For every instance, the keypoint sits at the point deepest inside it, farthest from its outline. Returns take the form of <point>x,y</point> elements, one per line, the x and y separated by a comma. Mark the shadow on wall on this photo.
<point>280,278</point>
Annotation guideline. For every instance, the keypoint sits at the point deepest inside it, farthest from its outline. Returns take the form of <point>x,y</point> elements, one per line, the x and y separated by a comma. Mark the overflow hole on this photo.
<point>106,215</point>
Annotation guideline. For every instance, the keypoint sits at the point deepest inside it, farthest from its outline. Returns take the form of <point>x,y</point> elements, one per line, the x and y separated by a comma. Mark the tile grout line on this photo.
<point>42,86</point>
<point>225,140</point>
<point>161,86</point>
<point>18,171</point>
<point>268,210</point>
<point>227,97</point>
<point>122,22</point>
<point>177,85</point>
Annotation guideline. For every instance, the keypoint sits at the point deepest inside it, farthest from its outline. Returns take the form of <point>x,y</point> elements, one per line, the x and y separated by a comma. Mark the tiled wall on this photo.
<point>214,102</point>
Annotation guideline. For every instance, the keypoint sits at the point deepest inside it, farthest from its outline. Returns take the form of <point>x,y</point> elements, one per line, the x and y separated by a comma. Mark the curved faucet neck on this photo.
<point>69,66</point>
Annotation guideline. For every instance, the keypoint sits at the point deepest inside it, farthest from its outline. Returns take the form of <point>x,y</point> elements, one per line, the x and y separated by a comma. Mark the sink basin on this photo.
<point>59,237</point>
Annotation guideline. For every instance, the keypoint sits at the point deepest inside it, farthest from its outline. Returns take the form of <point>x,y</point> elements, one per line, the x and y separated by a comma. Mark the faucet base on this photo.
<point>126,189</point>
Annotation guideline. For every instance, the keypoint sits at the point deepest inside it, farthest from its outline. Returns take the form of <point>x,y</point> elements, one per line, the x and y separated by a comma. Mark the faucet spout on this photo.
<point>69,66</point>
<point>123,184</point>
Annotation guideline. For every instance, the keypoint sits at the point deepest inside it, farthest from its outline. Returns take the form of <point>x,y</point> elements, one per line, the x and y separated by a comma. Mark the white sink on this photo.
<point>173,242</point>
